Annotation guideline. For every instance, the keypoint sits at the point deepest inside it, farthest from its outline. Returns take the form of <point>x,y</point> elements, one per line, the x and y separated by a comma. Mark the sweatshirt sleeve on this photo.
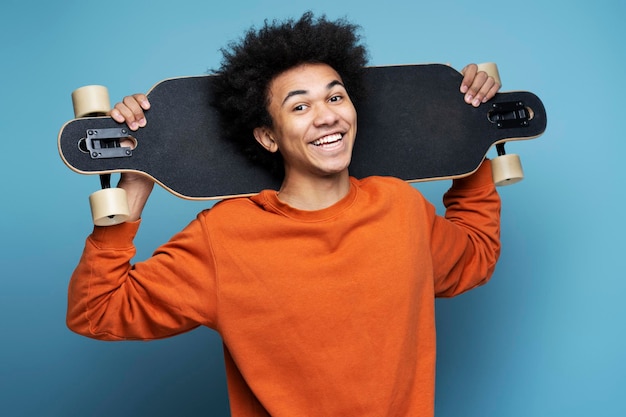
<point>466,242</point>
<point>171,292</point>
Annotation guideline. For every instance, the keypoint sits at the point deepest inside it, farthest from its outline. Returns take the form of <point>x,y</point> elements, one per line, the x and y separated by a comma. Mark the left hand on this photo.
<point>477,86</point>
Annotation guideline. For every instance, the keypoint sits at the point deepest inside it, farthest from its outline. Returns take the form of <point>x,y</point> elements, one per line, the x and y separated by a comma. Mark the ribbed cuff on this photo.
<point>114,237</point>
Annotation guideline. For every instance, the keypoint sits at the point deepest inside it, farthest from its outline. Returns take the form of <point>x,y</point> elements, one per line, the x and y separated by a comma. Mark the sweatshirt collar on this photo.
<point>269,201</point>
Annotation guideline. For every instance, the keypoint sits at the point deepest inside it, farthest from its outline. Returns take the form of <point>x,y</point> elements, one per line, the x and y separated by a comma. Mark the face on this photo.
<point>314,121</point>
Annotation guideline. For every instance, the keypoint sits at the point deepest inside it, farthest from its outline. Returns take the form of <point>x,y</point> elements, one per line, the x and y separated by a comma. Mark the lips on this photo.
<point>328,140</point>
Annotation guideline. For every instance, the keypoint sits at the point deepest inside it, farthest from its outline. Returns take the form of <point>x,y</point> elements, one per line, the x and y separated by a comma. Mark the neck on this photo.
<point>317,194</point>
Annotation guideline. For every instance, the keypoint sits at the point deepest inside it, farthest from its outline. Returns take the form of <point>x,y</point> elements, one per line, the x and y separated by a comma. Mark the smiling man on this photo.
<point>323,291</point>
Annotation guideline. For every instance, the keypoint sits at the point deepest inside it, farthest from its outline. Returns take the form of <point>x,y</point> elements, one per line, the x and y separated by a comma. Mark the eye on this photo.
<point>336,98</point>
<point>300,107</point>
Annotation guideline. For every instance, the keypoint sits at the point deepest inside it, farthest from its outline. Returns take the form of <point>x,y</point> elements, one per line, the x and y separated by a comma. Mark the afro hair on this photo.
<point>249,65</point>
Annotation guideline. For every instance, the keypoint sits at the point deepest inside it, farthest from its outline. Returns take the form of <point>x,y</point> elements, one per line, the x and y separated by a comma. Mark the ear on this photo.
<point>264,136</point>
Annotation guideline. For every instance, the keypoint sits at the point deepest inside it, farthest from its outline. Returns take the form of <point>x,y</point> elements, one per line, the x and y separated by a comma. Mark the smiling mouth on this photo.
<point>328,140</point>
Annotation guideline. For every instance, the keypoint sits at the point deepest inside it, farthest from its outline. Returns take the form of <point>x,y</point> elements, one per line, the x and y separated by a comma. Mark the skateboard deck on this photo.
<point>413,124</point>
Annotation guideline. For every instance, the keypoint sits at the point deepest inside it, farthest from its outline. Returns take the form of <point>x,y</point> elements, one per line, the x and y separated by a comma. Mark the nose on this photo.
<point>325,115</point>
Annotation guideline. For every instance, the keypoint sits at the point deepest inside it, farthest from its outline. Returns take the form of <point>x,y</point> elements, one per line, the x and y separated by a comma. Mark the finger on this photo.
<point>116,114</point>
<point>492,91</point>
<point>143,101</point>
<point>471,96</point>
<point>131,111</point>
<point>122,114</point>
<point>469,72</point>
<point>483,93</point>
<point>135,106</point>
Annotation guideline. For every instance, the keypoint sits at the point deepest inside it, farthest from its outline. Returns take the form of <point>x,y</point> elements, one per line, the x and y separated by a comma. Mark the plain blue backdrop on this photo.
<point>544,338</point>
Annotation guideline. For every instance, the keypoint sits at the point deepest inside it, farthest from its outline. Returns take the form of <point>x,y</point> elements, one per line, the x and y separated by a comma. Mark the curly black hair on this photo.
<point>249,65</point>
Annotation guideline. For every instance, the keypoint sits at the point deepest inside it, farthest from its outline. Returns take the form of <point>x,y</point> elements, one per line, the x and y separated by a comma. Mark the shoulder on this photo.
<point>232,208</point>
<point>390,193</point>
<point>386,186</point>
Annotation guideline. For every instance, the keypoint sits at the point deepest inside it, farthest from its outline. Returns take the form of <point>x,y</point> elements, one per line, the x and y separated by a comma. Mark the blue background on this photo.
<point>544,338</point>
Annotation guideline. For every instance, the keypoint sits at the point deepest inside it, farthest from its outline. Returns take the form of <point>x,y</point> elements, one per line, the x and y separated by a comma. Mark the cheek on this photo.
<point>293,128</point>
<point>349,112</point>
<point>350,116</point>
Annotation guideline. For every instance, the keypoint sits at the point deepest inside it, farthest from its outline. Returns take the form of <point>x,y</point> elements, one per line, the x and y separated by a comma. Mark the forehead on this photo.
<point>305,77</point>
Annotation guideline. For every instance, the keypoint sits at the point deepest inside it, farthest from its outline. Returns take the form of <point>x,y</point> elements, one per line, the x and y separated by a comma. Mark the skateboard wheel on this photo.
<point>91,100</point>
<point>491,69</point>
<point>507,169</point>
<point>109,206</point>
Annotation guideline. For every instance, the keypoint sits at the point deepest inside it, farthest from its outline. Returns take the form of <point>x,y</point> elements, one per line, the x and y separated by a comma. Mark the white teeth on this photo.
<point>328,139</point>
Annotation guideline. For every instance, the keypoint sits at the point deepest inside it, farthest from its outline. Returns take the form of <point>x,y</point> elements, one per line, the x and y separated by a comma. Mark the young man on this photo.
<point>323,291</point>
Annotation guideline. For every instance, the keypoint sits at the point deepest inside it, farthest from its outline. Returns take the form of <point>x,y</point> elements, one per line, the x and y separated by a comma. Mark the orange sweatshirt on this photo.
<point>322,313</point>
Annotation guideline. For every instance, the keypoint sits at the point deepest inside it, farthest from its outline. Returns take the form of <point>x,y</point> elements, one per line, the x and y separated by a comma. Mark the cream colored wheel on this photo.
<point>507,169</point>
<point>109,206</point>
<point>91,100</point>
<point>491,69</point>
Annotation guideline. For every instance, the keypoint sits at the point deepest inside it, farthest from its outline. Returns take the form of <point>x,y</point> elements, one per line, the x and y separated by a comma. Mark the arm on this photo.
<point>111,299</point>
<point>466,243</point>
<point>138,187</point>
<point>172,292</point>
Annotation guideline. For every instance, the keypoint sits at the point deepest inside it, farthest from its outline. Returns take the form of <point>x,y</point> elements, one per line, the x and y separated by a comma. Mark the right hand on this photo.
<point>138,187</point>
<point>131,111</point>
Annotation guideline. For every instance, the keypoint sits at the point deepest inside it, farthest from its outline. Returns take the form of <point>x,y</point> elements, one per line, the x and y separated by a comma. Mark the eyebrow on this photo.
<point>298,92</point>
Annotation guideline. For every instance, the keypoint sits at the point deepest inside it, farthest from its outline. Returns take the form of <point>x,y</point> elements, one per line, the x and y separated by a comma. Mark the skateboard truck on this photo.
<point>508,115</point>
<point>107,143</point>
<point>507,169</point>
<point>109,206</point>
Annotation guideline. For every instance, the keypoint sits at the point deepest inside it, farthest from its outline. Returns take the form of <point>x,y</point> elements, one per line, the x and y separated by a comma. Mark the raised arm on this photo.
<point>138,187</point>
